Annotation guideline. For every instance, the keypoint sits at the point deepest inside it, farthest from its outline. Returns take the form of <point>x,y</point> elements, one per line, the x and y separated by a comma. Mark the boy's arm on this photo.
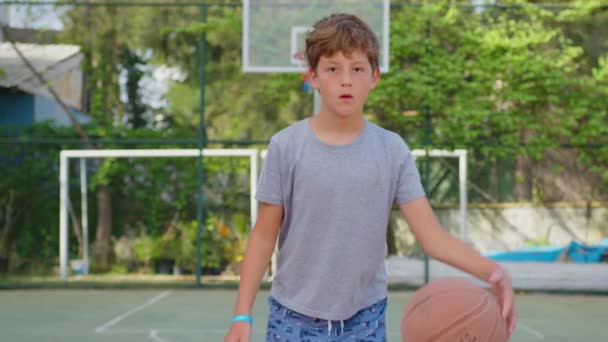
<point>437,243</point>
<point>260,246</point>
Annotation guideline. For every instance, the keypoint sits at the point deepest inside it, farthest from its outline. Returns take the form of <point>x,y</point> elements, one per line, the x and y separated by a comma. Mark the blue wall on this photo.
<point>16,108</point>
<point>21,109</point>
<point>48,110</point>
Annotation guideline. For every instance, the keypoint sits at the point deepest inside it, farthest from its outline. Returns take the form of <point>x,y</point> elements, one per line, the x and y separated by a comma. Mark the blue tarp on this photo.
<point>580,253</point>
<point>575,251</point>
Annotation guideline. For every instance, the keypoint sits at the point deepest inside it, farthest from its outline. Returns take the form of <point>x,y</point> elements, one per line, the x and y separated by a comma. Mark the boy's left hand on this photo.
<point>501,283</point>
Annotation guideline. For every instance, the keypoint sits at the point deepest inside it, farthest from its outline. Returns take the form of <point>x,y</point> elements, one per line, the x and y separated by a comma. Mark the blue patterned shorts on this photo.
<point>285,325</point>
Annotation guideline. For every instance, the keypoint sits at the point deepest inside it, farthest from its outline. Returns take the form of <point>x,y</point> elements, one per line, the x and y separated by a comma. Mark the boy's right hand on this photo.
<point>239,332</point>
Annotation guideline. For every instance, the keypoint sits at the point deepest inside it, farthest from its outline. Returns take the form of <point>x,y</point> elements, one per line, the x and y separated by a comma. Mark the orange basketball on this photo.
<point>453,310</point>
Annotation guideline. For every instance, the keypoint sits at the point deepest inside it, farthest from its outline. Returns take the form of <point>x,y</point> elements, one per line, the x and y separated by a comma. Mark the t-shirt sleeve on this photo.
<point>408,183</point>
<point>269,184</point>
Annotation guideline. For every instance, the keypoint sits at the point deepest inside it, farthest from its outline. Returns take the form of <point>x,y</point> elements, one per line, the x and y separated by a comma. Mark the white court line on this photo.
<point>119,318</point>
<point>175,331</point>
<point>154,335</point>
<point>532,331</point>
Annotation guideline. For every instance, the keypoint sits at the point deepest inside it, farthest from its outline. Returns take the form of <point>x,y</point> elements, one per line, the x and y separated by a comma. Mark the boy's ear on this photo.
<point>314,80</point>
<point>375,78</point>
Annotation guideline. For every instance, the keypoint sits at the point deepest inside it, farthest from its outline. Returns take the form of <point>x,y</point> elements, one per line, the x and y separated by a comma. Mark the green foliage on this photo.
<point>539,242</point>
<point>580,9</point>
<point>237,105</point>
<point>601,72</point>
<point>486,79</point>
<point>505,83</point>
<point>133,65</point>
<point>29,175</point>
<point>154,202</point>
<point>219,247</point>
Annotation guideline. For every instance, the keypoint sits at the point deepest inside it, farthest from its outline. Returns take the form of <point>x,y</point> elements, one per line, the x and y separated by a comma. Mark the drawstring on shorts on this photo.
<point>329,327</point>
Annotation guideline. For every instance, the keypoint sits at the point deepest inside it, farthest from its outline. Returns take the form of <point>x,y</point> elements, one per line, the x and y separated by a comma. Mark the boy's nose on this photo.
<point>346,81</point>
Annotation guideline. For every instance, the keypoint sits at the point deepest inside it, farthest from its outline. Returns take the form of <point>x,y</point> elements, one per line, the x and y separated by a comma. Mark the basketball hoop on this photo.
<point>271,46</point>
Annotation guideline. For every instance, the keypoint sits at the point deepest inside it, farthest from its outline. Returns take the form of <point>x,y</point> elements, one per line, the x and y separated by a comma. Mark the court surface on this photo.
<point>204,315</point>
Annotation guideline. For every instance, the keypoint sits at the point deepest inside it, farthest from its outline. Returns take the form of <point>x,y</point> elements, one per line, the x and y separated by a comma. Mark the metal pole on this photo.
<point>427,143</point>
<point>253,180</point>
<point>462,175</point>
<point>202,136</point>
<point>427,176</point>
<point>63,216</point>
<point>85,215</point>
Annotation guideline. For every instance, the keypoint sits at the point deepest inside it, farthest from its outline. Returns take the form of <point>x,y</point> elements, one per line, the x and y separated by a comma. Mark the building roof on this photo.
<point>48,59</point>
<point>30,35</point>
<point>60,66</point>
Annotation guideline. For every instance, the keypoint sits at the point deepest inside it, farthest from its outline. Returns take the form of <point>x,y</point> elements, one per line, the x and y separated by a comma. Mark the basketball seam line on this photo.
<point>464,318</point>
<point>495,325</point>
<point>425,299</point>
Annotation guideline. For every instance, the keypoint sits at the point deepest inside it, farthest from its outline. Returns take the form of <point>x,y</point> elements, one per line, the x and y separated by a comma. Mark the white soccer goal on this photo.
<point>462,181</point>
<point>253,156</point>
<point>66,155</point>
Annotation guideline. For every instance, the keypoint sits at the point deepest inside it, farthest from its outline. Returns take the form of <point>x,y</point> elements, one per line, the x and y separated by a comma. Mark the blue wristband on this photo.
<point>242,318</point>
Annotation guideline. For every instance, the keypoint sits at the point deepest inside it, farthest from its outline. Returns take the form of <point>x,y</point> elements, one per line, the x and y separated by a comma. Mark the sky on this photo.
<point>39,17</point>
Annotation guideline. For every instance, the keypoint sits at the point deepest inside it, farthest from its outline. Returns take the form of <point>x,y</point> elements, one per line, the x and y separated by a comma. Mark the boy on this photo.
<point>327,185</point>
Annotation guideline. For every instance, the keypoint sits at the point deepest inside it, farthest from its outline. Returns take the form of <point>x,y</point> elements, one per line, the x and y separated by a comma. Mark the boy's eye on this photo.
<point>359,69</point>
<point>332,69</point>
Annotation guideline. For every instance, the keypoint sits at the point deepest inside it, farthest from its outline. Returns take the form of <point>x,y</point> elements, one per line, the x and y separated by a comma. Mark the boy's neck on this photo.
<point>335,130</point>
<point>341,125</point>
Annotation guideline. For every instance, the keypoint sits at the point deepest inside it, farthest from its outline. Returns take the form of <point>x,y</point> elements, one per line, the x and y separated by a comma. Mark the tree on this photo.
<point>506,83</point>
<point>28,200</point>
<point>100,33</point>
<point>113,36</point>
<point>132,64</point>
<point>238,105</point>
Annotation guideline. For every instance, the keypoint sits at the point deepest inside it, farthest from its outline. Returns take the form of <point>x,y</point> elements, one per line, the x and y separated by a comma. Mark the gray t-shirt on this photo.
<point>336,200</point>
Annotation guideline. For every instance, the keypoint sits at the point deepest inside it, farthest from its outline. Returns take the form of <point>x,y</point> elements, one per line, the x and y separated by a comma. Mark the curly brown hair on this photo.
<point>344,33</point>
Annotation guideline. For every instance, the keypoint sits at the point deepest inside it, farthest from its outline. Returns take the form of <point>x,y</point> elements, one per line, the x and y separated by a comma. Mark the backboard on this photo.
<point>274,31</point>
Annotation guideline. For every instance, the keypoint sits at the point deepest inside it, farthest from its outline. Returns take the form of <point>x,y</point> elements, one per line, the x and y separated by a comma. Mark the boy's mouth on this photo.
<point>346,97</point>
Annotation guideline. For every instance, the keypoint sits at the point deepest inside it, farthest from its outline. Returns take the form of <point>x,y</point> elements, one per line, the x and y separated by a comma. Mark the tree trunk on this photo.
<point>7,232</point>
<point>523,178</point>
<point>76,226</point>
<point>101,246</point>
<point>5,242</point>
<point>524,174</point>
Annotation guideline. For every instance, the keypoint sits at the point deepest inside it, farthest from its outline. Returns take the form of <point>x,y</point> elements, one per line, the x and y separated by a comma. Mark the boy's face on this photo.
<point>344,82</point>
